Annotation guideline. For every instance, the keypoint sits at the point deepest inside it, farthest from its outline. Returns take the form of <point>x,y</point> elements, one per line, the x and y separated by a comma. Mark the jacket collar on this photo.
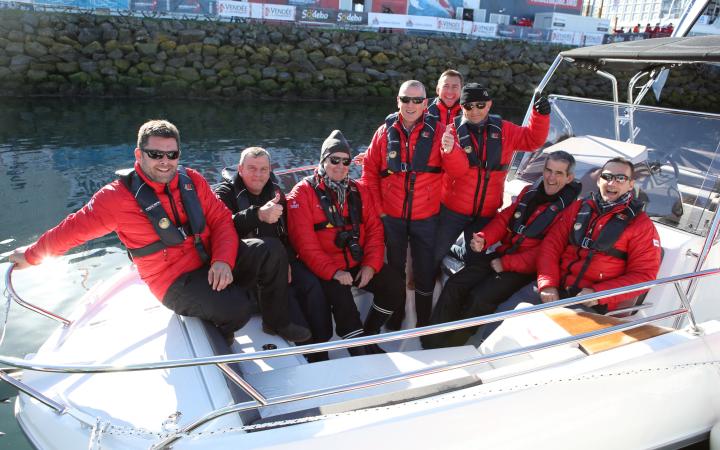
<point>157,187</point>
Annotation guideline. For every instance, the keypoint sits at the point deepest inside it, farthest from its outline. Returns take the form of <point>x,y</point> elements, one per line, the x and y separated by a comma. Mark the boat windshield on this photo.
<point>675,154</point>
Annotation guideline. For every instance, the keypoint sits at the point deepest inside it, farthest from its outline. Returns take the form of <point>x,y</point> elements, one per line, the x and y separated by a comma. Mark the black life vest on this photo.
<point>242,199</point>
<point>334,217</point>
<point>170,234</point>
<point>611,232</point>
<point>492,138</point>
<point>422,150</point>
<point>434,111</point>
<point>538,227</point>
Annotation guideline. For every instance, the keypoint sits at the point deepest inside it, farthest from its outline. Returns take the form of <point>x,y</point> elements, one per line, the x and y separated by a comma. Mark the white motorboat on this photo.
<point>123,372</point>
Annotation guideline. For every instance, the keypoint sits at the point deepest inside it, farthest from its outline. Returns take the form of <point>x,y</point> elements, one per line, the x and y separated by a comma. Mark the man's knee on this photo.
<point>269,250</point>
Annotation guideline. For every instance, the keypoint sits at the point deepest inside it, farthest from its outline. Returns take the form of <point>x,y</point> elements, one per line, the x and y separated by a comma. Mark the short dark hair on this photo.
<point>452,73</point>
<point>562,155</point>
<point>621,160</point>
<point>160,128</point>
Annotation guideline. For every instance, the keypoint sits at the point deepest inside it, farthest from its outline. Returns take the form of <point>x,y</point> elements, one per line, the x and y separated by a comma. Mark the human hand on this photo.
<point>359,159</point>
<point>343,278</point>
<point>17,257</point>
<point>549,295</point>
<point>585,291</point>
<point>448,139</point>
<point>271,211</point>
<point>220,275</point>
<point>542,106</point>
<point>477,243</point>
<point>496,265</point>
<point>364,275</point>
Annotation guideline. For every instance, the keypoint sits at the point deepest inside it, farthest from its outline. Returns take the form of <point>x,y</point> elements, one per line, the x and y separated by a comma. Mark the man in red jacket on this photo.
<point>402,170</point>
<point>446,106</point>
<point>333,224</point>
<point>472,197</point>
<point>181,238</point>
<point>601,242</point>
<point>479,288</point>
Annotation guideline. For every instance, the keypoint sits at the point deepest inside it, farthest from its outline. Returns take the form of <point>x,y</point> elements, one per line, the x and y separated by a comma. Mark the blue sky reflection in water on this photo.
<point>55,153</point>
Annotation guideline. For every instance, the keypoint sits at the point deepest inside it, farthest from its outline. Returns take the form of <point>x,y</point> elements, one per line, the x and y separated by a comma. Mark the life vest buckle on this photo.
<point>404,167</point>
<point>520,229</point>
<point>586,243</point>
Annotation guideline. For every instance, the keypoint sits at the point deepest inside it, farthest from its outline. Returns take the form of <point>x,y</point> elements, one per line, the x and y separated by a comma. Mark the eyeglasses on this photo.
<point>158,154</point>
<point>470,106</point>
<point>335,160</point>
<point>416,100</point>
<point>619,177</point>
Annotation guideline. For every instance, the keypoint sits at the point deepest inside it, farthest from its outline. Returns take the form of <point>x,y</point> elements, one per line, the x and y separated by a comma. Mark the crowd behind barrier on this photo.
<point>228,10</point>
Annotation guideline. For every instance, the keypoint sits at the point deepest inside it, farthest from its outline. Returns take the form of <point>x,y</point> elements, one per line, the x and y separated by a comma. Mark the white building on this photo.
<point>628,13</point>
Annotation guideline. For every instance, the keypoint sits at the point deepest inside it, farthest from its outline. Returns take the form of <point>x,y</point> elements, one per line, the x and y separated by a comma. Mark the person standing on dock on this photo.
<point>403,168</point>
<point>181,238</point>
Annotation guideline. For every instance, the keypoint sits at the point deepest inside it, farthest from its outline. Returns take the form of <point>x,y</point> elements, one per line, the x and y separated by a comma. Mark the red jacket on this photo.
<point>560,262</point>
<point>524,258</point>
<point>459,191</point>
<point>391,192</point>
<point>444,113</point>
<point>317,249</point>
<point>113,208</point>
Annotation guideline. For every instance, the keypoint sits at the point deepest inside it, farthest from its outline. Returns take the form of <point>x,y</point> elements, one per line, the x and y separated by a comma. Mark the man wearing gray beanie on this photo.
<point>337,232</point>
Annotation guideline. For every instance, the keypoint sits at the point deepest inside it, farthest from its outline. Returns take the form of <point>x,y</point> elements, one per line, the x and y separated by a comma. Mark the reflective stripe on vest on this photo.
<point>422,150</point>
<point>169,234</point>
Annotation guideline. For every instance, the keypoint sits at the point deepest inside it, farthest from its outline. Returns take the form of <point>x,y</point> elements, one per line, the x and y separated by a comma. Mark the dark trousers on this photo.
<point>420,234</point>
<point>474,291</point>
<point>259,262</point>
<point>388,291</point>
<point>307,303</point>
<point>450,225</point>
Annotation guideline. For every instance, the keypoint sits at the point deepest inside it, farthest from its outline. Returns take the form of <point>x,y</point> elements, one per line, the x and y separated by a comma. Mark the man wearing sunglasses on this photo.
<point>403,168</point>
<point>601,242</point>
<point>471,199</point>
<point>181,238</point>
<point>258,206</point>
<point>446,106</point>
<point>337,231</point>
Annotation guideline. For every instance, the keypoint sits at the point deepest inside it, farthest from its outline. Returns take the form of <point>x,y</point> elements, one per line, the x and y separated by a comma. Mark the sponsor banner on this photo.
<point>192,6</point>
<point>565,37</point>
<point>227,8</point>
<point>390,6</point>
<point>449,25</point>
<point>315,15</point>
<point>420,23</point>
<point>536,34</point>
<point>351,18</point>
<point>278,12</point>
<point>509,31</point>
<point>593,39</point>
<point>434,8</point>
<point>480,29</point>
<point>568,4</point>
<point>381,20</point>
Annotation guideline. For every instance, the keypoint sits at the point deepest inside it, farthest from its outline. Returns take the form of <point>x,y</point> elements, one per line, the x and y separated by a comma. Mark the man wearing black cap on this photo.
<point>337,232</point>
<point>471,199</point>
<point>403,168</point>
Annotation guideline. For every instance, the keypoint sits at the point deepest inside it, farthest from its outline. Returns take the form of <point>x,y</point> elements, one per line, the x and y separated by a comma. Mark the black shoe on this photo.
<point>317,357</point>
<point>229,337</point>
<point>268,330</point>
<point>294,333</point>
<point>374,349</point>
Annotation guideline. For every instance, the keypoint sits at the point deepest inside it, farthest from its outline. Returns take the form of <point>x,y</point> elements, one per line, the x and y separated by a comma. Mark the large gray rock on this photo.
<point>188,36</point>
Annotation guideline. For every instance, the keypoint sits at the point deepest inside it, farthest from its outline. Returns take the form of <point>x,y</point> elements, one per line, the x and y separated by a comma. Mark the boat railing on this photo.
<point>259,400</point>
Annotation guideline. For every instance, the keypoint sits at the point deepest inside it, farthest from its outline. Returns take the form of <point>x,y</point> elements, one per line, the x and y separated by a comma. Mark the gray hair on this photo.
<point>253,152</point>
<point>412,83</point>
<point>563,156</point>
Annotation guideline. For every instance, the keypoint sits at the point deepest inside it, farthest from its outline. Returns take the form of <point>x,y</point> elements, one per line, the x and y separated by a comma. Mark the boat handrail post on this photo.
<point>10,290</point>
<point>616,99</point>
<point>695,329</point>
<point>242,383</point>
<point>39,396</point>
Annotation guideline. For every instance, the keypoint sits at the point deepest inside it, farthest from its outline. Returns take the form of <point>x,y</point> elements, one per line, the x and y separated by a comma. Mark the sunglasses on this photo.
<point>470,106</point>
<point>334,160</point>
<point>416,100</point>
<point>158,154</point>
<point>619,177</point>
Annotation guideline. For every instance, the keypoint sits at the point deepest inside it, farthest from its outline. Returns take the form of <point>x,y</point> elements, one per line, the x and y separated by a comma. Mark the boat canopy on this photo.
<point>660,51</point>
